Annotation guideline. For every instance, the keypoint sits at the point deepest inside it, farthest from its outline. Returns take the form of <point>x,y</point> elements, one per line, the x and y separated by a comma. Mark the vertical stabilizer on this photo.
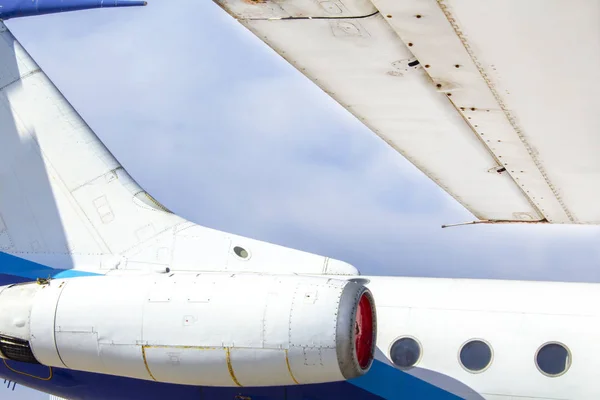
<point>66,202</point>
<point>63,193</point>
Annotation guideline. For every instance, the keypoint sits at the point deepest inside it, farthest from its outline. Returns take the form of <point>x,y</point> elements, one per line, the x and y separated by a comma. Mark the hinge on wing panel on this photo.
<point>402,66</point>
<point>497,169</point>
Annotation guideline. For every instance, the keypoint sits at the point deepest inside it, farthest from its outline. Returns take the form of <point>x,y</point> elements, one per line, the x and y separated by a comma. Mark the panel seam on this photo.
<point>511,119</point>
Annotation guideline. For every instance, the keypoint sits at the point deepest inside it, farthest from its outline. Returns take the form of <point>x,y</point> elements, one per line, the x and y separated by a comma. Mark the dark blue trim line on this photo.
<point>84,385</point>
<point>391,383</point>
<point>19,267</point>
<point>386,382</point>
<point>25,8</point>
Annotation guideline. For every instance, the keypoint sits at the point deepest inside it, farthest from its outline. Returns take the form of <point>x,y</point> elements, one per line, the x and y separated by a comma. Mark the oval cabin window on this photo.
<point>475,356</point>
<point>405,352</point>
<point>553,359</point>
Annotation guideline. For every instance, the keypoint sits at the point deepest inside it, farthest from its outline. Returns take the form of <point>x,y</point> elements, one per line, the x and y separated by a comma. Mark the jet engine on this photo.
<point>202,329</point>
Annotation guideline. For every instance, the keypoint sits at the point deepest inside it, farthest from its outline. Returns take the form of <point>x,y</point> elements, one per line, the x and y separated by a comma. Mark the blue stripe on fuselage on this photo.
<point>79,385</point>
<point>19,267</point>
<point>11,265</point>
<point>391,383</point>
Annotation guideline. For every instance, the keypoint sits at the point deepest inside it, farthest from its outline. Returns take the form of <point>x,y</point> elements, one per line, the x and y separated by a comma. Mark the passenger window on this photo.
<point>553,359</point>
<point>475,356</point>
<point>405,352</point>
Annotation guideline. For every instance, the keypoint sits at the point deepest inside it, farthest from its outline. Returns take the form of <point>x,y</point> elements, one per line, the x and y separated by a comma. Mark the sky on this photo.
<point>221,130</point>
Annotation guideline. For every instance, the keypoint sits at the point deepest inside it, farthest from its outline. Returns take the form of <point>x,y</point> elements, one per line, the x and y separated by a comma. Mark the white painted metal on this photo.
<point>496,113</point>
<point>548,94</point>
<point>300,8</point>
<point>438,42</point>
<point>84,210</point>
<point>42,333</point>
<point>15,306</point>
<point>515,317</point>
<point>200,329</point>
<point>363,65</point>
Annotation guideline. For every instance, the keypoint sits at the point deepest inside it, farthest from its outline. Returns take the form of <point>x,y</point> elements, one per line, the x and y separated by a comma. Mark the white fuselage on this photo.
<point>515,318</point>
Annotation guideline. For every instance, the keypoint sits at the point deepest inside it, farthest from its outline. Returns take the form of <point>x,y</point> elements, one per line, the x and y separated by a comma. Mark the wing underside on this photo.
<point>494,101</point>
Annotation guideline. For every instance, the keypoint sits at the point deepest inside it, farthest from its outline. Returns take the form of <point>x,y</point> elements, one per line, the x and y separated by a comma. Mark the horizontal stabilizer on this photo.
<point>24,8</point>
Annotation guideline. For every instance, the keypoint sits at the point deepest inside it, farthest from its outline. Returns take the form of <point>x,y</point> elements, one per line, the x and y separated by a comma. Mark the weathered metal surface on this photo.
<point>268,9</point>
<point>363,64</point>
<point>543,60</point>
<point>452,63</point>
<point>480,114</point>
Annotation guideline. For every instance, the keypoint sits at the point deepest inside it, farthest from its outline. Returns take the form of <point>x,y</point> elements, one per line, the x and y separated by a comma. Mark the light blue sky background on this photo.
<point>224,132</point>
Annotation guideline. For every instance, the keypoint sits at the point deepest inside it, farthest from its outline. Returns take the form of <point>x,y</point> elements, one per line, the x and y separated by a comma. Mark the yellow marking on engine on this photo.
<point>287,361</point>
<point>230,367</point>
<point>29,375</point>
<point>146,363</point>
<point>184,347</point>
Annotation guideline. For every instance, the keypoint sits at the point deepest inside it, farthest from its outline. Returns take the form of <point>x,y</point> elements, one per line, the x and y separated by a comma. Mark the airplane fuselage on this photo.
<point>442,316</point>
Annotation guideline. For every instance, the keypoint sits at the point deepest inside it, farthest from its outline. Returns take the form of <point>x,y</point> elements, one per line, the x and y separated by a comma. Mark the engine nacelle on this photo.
<point>205,329</point>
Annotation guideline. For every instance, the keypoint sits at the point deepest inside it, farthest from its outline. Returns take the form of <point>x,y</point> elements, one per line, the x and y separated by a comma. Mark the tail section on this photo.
<point>63,193</point>
<point>65,201</point>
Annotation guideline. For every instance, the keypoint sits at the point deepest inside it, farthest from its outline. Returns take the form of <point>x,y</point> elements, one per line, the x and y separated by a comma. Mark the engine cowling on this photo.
<point>205,329</point>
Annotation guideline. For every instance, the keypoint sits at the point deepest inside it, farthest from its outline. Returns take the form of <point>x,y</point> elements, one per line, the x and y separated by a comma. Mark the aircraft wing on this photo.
<point>494,101</point>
